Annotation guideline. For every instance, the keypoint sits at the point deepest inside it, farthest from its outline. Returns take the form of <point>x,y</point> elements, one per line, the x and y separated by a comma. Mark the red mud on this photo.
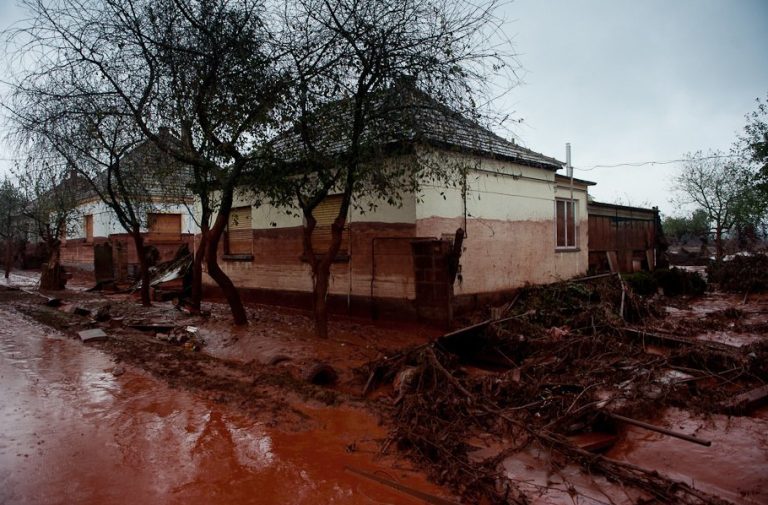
<point>78,429</point>
<point>735,467</point>
<point>75,428</point>
<point>753,313</point>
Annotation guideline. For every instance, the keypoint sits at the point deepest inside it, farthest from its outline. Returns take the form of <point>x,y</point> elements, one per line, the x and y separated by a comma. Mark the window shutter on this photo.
<point>89,228</point>
<point>240,231</point>
<point>164,227</point>
<point>325,214</point>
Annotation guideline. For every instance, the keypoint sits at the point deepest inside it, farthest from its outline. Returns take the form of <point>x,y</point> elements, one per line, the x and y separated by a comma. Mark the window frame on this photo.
<point>570,222</point>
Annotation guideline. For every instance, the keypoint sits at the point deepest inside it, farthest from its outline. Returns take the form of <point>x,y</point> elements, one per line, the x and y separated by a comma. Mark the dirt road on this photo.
<point>76,428</point>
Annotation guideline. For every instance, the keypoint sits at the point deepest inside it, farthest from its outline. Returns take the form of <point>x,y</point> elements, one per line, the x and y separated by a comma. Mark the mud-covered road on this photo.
<point>77,428</point>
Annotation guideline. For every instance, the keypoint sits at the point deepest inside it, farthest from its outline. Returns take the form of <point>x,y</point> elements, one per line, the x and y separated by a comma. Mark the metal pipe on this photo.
<point>659,429</point>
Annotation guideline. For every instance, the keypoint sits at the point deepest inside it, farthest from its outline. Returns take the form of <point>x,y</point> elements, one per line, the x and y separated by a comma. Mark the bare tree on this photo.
<point>723,189</point>
<point>51,195</point>
<point>201,67</point>
<point>366,74</point>
<point>11,205</point>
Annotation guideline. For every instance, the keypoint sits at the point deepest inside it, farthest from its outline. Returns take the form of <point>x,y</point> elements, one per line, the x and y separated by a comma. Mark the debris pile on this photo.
<point>562,365</point>
<point>741,273</point>
<point>186,336</point>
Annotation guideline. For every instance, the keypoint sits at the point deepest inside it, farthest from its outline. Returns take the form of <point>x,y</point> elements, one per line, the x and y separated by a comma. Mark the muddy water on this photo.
<point>735,467</point>
<point>75,428</point>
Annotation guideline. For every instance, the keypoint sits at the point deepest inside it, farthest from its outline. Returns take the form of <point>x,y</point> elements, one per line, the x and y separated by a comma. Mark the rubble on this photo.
<point>565,367</point>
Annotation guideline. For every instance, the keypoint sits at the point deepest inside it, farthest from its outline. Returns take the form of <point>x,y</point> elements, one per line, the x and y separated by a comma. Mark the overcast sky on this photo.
<point>625,81</point>
<point>634,81</point>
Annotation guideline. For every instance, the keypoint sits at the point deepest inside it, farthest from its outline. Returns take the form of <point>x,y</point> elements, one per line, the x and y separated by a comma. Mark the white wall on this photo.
<point>105,221</point>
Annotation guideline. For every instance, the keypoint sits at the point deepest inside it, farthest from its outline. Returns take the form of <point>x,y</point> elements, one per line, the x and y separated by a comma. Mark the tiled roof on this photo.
<point>411,116</point>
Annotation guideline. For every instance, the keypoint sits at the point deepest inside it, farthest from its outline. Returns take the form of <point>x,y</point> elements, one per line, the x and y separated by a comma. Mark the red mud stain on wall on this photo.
<point>277,263</point>
<point>501,255</point>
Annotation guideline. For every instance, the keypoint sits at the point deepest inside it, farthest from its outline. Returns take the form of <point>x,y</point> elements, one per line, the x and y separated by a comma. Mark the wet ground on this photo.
<point>76,428</point>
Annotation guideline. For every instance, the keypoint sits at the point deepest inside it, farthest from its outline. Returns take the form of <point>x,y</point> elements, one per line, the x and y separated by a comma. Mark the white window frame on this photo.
<point>573,216</point>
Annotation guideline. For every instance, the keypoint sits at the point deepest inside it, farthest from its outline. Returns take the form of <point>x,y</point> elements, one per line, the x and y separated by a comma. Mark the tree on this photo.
<point>364,73</point>
<point>684,228</point>
<point>11,205</point>
<point>755,141</point>
<point>724,190</point>
<point>204,68</point>
<point>51,194</point>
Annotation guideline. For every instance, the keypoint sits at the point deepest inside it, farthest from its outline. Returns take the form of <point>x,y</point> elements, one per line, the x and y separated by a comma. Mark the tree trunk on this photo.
<point>718,243</point>
<point>196,295</point>
<point>51,276</point>
<point>321,273</point>
<point>8,258</point>
<point>229,290</point>
<point>138,240</point>
<point>320,298</point>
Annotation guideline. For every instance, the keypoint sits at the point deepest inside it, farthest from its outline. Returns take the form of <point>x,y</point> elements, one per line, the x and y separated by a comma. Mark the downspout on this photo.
<point>349,263</point>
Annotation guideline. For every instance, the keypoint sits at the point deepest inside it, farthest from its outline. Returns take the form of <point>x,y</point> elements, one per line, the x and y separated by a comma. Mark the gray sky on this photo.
<point>634,81</point>
<point>625,81</point>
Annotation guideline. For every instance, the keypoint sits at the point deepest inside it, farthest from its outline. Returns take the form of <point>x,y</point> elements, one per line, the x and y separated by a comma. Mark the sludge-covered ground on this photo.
<point>520,410</point>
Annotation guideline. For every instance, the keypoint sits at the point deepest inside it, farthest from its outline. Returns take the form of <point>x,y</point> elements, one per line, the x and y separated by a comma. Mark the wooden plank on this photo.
<point>93,335</point>
<point>659,429</point>
<point>747,401</point>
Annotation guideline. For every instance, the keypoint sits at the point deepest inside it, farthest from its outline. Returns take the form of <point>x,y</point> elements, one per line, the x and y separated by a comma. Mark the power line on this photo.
<point>666,162</point>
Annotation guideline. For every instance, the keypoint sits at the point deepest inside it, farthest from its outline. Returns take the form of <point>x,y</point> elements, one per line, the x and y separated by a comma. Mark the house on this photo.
<point>514,221</point>
<point>99,242</point>
<point>624,238</point>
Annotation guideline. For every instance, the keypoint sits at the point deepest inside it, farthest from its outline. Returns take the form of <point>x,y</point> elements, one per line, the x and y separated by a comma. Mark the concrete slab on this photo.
<point>93,335</point>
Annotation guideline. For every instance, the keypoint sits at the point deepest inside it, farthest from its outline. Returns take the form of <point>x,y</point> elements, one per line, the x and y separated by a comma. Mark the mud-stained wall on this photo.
<point>509,220</point>
<point>76,252</point>
<point>375,249</point>
<point>507,210</point>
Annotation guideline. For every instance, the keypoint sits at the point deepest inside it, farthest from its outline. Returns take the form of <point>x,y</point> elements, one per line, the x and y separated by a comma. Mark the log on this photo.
<point>435,500</point>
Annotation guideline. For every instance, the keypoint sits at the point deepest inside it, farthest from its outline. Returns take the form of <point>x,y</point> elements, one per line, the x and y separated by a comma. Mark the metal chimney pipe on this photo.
<point>568,167</point>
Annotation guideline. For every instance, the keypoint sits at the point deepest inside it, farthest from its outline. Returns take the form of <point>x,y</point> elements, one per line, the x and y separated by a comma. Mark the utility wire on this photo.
<point>667,162</point>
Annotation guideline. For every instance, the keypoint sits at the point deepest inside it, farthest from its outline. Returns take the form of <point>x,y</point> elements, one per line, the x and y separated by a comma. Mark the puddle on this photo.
<point>735,467</point>
<point>75,432</point>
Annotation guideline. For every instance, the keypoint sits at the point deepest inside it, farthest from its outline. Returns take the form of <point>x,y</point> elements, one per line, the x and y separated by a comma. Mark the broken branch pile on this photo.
<point>561,366</point>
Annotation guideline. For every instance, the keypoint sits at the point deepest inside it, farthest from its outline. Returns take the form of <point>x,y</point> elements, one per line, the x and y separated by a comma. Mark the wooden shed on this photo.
<point>623,238</point>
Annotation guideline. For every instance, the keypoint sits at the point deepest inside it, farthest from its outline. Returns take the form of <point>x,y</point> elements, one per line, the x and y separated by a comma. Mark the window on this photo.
<point>325,214</point>
<point>567,231</point>
<point>88,225</point>
<point>240,231</point>
<point>164,227</point>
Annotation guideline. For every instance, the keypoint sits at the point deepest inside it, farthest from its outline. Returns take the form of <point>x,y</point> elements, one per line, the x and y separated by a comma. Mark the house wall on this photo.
<point>510,227</point>
<point>510,240</point>
<point>275,272</point>
<point>76,252</point>
<point>627,232</point>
